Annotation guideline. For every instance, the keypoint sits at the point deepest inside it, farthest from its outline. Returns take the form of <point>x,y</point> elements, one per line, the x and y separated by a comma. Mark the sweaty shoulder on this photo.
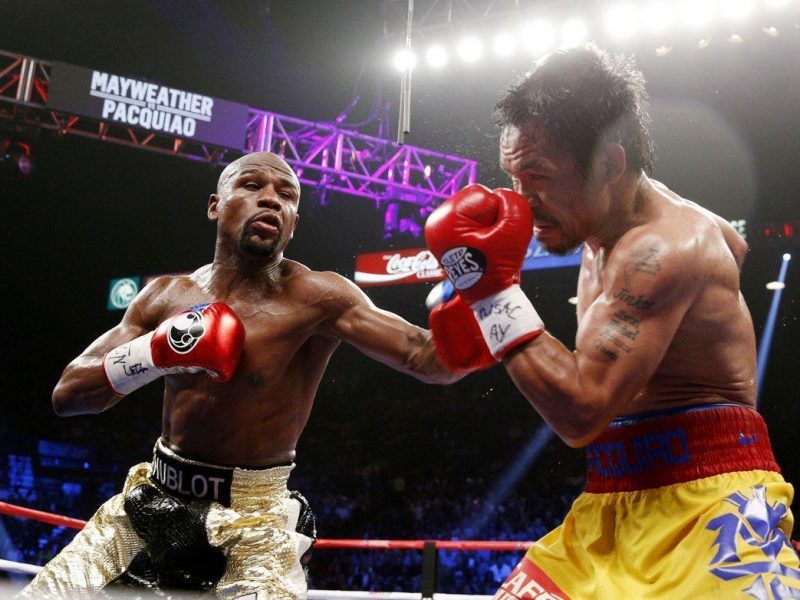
<point>157,299</point>
<point>653,261</point>
<point>671,256</point>
<point>329,291</point>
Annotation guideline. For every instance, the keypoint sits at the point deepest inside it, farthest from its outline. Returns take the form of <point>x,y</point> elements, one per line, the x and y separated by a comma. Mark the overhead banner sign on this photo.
<point>147,106</point>
<point>419,265</point>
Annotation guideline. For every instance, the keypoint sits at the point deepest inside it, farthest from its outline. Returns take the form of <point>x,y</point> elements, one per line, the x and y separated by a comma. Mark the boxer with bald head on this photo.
<point>242,344</point>
<point>684,498</point>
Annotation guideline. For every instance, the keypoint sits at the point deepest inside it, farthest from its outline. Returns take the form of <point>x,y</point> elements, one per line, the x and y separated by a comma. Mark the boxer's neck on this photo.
<point>627,207</point>
<point>232,271</point>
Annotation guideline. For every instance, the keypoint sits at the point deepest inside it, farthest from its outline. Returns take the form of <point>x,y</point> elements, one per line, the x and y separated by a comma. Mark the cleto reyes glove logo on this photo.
<point>186,331</point>
<point>464,266</point>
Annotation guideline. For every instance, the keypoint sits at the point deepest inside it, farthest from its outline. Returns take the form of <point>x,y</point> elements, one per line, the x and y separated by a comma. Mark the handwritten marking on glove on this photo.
<point>498,332</point>
<point>506,309</point>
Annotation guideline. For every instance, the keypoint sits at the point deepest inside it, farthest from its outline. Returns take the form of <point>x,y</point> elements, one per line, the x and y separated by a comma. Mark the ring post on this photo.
<point>430,568</point>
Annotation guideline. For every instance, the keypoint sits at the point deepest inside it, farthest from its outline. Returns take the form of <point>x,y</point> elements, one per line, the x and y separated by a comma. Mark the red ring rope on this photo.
<point>45,517</point>
<point>53,519</point>
<point>38,515</point>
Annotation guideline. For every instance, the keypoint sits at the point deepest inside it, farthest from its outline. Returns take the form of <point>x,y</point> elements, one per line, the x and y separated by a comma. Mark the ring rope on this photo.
<point>14,510</point>
<point>26,569</point>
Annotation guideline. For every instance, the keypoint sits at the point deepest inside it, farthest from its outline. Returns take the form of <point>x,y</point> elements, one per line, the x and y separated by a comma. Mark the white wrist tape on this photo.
<point>505,318</point>
<point>130,366</point>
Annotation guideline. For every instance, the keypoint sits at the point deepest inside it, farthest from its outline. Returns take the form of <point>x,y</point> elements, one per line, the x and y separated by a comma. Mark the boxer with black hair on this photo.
<point>684,498</point>
<point>242,345</point>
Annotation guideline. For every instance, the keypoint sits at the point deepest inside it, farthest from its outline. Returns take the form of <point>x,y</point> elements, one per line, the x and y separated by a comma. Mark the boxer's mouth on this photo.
<point>544,223</point>
<point>544,226</point>
<point>266,223</point>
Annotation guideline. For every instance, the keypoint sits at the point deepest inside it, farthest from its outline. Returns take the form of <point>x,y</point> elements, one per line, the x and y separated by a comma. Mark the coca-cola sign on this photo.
<point>420,265</point>
<point>400,266</point>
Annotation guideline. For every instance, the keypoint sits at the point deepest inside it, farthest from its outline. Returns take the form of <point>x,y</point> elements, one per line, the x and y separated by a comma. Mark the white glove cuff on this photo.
<point>505,318</point>
<point>130,365</point>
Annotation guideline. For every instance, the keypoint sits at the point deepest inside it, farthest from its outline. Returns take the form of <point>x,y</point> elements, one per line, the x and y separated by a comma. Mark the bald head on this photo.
<point>256,161</point>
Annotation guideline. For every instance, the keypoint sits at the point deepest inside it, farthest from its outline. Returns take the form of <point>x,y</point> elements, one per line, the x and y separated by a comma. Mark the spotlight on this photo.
<point>391,219</point>
<point>573,300</point>
<point>574,32</point>
<point>697,13</point>
<point>776,285</point>
<point>404,60</point>
<point>504,44</point>
<point>410,227</point>
<point>15,158</point>
<point>620,21</point>
<point>787,257</point>
<point>539,36</point>
<point>470,49</point>
<point>657,16</point>
<point>24,164</point>
<point>436,57</point>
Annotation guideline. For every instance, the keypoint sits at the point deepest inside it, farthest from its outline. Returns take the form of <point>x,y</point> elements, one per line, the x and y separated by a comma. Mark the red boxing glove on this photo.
<point>207,338</point>
<point>480,238</point>
<point>458,339</point>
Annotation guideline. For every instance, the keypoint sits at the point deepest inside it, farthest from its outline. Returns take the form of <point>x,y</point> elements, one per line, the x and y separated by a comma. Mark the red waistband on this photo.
<point>661,448</point>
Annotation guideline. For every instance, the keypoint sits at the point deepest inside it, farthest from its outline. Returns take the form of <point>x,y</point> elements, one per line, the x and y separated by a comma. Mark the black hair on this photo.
<point>583,97</point>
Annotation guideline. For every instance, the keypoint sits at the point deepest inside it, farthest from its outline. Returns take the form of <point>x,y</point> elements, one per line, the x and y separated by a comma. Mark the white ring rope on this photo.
<point>18,567</point>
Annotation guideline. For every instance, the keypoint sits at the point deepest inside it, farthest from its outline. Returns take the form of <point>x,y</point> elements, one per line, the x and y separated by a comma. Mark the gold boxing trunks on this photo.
<point>686,503</point>
<point>246,535</point>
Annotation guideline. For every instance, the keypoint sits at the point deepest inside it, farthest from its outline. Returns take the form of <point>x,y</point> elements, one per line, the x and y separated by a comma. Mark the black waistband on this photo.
<point>191,480</point>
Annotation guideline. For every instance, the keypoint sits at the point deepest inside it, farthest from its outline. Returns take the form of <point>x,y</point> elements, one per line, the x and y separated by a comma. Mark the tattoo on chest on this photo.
<point>618,335</point>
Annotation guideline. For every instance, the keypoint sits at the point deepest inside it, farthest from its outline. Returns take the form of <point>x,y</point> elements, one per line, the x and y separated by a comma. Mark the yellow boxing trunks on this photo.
<point>685,503</point>
<point>183,524</point>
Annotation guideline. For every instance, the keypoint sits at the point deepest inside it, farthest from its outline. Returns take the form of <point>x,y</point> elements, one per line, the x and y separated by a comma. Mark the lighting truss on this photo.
<point>323,155</point>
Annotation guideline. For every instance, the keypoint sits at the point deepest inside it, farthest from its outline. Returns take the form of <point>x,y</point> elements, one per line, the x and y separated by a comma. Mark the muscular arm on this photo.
<point>82,388</point>
<point>622,337</point>
<point>382,335</point>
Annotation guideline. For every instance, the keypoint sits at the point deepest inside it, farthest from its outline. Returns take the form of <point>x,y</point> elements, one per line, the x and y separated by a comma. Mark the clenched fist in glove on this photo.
<point>480,238</point>
<point>207,338</point>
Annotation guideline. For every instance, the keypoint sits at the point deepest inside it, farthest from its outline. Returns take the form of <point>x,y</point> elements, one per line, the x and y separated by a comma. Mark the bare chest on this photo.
<point>276,330</point>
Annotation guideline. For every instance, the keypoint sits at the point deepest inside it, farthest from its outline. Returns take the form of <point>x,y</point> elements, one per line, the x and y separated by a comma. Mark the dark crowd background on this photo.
<point>383,456</point>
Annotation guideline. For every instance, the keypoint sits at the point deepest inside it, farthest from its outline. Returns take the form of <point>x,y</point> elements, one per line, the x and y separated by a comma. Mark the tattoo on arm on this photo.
<point>633,300</point>
<point>622,329</point>
<point>647,261</point>
<point>618,335</point>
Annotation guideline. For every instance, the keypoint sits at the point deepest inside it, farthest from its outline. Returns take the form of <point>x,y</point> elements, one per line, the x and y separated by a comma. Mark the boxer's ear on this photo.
<point>613,163</point>
<point>296,221</point>
<point>213,207</point>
